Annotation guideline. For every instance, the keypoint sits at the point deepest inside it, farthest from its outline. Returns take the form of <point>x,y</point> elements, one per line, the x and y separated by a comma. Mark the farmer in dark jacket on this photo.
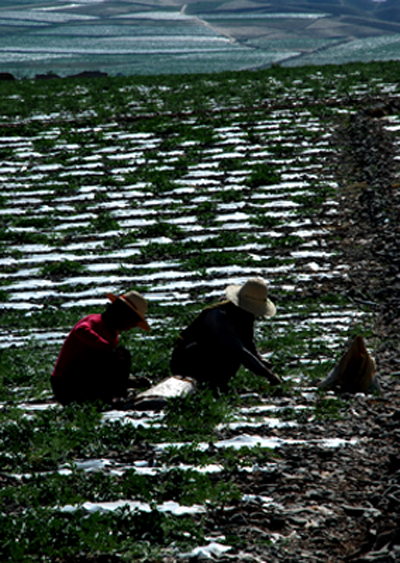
<point>91,365</point>
<point>221,339</point>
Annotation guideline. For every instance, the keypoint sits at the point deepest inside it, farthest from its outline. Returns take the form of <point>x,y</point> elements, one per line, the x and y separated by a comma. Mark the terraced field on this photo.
<point>176,188</point>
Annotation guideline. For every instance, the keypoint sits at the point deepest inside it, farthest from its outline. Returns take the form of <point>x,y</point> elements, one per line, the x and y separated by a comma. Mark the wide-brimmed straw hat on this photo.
<point>135,301</point>
<point>252,296</point>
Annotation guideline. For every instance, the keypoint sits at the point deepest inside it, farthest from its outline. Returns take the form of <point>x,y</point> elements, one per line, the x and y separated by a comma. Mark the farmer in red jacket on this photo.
<point>91,365</point>
<point>221,339</point>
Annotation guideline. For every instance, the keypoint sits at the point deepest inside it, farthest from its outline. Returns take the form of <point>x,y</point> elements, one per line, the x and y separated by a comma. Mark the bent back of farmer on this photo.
<point>221,339</point>
<point>91,365</point>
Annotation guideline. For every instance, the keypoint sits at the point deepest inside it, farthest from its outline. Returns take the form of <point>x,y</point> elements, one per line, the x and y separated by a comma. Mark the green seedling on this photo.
<point>59,270</point>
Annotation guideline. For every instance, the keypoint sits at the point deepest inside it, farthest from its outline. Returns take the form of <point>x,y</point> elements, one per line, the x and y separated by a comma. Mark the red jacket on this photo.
<point>88,334</point>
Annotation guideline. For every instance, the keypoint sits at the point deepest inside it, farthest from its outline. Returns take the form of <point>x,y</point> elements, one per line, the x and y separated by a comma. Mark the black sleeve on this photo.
<point>223,334</point>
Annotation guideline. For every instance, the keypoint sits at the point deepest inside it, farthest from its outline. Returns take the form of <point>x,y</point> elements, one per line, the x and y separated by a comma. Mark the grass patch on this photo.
<point>51,534</point>
<point>263,175</point>
<point>196,415</point>
<point>58,270</point>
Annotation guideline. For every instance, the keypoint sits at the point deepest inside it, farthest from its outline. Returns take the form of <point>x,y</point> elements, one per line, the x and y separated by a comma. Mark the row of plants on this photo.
<point>197,93</point>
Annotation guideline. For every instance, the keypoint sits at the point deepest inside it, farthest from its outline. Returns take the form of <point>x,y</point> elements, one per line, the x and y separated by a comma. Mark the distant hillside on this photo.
<point>373,10</point>
<point>296,23</point>
<point>173,36</point>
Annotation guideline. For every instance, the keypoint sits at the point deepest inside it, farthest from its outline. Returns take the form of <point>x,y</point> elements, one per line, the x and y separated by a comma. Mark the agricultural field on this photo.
<point>177,187</point>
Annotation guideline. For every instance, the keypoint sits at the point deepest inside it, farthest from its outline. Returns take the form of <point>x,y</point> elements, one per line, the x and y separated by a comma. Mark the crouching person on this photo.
<point>221,339</point>
<point>91,365</point>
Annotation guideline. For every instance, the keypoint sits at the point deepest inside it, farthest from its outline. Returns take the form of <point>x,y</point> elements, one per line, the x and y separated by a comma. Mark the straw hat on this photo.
<point>252,297</point>
<point>135,301</point>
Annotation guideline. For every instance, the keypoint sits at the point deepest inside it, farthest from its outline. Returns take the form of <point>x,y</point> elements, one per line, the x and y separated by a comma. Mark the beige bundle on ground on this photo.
<point>156,397</point>
<point>354,372</point>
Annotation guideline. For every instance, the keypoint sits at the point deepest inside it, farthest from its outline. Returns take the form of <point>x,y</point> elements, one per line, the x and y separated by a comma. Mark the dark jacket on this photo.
<point>213,347</point>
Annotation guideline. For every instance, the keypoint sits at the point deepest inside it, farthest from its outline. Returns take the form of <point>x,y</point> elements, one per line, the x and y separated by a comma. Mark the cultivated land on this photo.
<point>297,32</point>
<point>341,19</point>
<point>178,187</point>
